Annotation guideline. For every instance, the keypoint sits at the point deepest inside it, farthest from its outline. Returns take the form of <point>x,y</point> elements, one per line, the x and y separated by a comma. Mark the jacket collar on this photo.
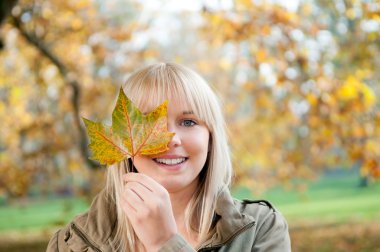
<point>230,220</point>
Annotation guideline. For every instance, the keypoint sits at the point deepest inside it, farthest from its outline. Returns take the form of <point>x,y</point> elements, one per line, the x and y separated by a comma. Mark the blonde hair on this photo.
<point>149,87</point>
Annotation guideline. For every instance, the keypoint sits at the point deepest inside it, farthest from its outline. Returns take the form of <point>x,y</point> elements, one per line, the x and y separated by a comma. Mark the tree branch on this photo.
<point>69,79</point>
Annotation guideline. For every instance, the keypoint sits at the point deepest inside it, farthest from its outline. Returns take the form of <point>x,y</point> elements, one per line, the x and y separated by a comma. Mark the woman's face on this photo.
<point>178,168</point>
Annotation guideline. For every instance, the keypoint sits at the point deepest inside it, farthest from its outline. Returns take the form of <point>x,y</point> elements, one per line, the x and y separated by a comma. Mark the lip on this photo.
<point>170,156</point>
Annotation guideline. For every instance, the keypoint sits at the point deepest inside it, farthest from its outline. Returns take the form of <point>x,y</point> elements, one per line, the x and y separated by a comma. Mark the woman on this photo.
<point>178,200</point>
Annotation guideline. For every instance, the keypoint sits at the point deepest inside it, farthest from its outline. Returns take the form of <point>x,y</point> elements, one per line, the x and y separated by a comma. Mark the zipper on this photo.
<point>84,238</point>
<point>229,239</point>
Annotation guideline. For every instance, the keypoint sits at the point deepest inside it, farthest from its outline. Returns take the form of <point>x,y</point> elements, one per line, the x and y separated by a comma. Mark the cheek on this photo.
<point>140,162</point>
<point>199,144</point>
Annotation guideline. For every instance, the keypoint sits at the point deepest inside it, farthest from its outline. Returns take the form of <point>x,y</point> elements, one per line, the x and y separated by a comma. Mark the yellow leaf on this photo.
<point>225,64</point>
<point>368,95</point>
<point>132,133</point>
<point>261,56</point>
<point>312,99</point>
<point>349,90</point>
<point>76,23</point>
<point>350,13</point>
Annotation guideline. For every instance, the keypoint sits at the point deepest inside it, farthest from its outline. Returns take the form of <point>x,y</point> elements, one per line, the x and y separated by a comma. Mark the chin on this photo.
<point>170,186</point>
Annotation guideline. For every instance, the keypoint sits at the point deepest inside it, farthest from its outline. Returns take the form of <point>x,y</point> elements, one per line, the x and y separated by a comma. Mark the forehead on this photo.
<point>178,106</point>
<point>177,101</point>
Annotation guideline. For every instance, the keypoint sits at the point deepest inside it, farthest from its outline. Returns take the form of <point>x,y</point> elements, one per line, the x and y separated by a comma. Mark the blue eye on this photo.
<point>188,123</point>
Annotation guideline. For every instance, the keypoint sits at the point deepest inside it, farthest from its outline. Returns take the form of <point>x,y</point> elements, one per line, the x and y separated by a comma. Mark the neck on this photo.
<point>179,204</point>
<point>179,201</point>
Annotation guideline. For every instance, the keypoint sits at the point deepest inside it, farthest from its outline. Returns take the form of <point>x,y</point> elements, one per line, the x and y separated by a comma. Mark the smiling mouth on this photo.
<point>170,161</point>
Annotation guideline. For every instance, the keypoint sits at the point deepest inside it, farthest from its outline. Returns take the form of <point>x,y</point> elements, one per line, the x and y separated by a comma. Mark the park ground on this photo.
<point>333,214</point>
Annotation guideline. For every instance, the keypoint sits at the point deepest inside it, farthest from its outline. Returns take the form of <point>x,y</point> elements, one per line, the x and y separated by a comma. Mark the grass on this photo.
<point>40,214</point>
<point>334,214</point>
<point>330,199</point>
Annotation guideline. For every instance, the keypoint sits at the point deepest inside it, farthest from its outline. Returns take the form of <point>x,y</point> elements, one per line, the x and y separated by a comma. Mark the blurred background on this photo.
<point>297,79</point>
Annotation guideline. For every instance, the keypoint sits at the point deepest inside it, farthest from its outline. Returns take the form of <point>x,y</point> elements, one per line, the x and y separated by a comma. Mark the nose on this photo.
<point>176,140</point>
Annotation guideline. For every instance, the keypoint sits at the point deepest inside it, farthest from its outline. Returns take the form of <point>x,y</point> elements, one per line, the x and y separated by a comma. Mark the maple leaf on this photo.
<point>131,133</point>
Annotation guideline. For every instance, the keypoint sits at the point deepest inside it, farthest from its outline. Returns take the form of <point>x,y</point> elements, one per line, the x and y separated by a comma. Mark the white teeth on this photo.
<point>170,161</point>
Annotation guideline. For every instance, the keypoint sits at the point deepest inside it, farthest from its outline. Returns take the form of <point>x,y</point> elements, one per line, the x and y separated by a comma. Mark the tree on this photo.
<point>57,54</point>
<point>298,98</point>
<point>308,100</point>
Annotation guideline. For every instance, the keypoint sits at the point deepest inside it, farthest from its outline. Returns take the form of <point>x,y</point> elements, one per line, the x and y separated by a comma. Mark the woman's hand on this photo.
<point>148,207</point>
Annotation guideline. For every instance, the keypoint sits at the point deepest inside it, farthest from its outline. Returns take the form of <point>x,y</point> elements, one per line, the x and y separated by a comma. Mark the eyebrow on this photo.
<point>187,112</point>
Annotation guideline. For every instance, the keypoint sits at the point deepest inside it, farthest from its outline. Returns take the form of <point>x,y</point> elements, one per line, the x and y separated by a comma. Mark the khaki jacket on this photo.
<point>240,226</point>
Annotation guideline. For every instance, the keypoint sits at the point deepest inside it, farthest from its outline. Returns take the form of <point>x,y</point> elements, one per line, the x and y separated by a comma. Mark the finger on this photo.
<point>141,190</point>
<point>126,206</point>
<point>131,197</point>
<point>145,180</point>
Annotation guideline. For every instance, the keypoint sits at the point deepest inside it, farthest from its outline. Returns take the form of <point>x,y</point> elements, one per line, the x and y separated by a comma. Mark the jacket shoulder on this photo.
<point>259,202</point>
<point>88,231</point>
<point>57,242</point>
<point>53,243</point>
<point>255,208</point>
<point>272,232</point>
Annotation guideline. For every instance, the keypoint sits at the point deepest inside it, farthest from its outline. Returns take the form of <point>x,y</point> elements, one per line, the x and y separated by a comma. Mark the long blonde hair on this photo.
<point>149,87</point>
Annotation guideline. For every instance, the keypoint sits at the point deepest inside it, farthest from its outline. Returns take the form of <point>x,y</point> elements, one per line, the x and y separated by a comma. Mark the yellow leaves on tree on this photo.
<point>371,168</point>
<point>267,42</point>
<point>371,10</point>
<point>355,90</point>
<point>131,133</point>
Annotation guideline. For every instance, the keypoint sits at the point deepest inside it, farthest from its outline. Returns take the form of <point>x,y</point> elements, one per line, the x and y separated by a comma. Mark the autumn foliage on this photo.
<point>307,90</point>
<point>299,88</point>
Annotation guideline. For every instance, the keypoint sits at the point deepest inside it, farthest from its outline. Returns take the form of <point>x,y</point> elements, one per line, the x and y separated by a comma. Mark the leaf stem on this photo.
<point>133,162</point>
